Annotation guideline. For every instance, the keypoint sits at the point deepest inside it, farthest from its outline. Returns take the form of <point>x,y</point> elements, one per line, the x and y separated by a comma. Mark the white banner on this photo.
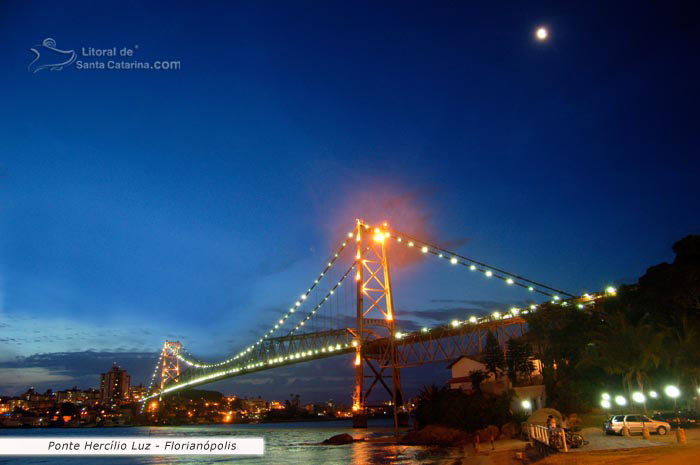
<point>131,445</point>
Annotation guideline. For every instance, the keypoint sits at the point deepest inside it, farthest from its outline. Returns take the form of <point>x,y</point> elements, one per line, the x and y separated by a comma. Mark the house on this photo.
<point>461,368</point>
<point>530,388</point>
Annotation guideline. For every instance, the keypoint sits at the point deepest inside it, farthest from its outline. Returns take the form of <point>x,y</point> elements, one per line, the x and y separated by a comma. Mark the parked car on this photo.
<point>685,419</point>
<point>635,423</point>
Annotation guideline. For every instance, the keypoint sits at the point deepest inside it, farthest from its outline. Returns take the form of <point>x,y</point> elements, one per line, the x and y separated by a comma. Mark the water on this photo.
<point>285,444</point>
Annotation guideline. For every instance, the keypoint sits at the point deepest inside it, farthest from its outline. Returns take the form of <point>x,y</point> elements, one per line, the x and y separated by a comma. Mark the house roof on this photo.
<point>453,362</point>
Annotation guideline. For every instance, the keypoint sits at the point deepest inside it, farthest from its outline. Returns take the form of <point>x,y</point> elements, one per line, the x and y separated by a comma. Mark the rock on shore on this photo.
<point>434,435</point>
<point>339,440</point>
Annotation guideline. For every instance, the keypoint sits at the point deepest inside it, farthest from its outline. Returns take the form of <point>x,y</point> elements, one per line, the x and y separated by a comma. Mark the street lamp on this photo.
<point>526,404</point>
<point>605,403</point>
<point>638,397</point>
<point>619,400</point>
<point>673,392</point>
<point>653,394</point>
<point>605,396</point>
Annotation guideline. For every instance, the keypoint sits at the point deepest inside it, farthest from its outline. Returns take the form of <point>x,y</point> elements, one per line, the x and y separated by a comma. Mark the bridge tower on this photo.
<point>375,314</point>
<point>171,363</point>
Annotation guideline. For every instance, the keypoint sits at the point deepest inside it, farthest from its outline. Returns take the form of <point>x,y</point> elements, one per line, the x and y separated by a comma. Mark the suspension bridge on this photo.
<point>333,317</point>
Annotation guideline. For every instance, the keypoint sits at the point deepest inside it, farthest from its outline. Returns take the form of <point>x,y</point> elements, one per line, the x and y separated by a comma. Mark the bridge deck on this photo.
<point>439,344</point>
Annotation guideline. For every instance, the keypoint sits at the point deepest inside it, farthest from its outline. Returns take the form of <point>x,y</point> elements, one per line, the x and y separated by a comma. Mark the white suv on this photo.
<point>635,423</point>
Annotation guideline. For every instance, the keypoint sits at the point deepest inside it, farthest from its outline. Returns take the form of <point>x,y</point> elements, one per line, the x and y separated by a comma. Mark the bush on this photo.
<point>457,409</point>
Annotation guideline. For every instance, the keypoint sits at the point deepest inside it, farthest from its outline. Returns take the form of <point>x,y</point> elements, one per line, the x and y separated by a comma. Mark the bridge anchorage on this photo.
<point>370,329</point>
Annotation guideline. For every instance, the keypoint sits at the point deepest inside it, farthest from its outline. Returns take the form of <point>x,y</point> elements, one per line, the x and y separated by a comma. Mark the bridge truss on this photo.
<point>372,337</point>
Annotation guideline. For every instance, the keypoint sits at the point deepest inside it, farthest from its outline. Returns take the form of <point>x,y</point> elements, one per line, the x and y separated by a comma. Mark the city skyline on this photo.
<point>196,204</point>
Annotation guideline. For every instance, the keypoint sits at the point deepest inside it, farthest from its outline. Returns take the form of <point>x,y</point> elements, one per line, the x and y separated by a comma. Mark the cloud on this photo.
<point>65,369</point>
<point>19,379</point>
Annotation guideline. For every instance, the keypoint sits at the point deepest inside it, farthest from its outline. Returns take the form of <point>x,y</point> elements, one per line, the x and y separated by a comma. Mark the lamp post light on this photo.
<point>620,400</point>
<point>640,398</point>
<point>673,392</point>
<point>605,403</point>
<point>526,405</point>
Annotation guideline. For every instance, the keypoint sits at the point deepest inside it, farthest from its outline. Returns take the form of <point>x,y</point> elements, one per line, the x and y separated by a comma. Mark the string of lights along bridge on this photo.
<point>336,316</point>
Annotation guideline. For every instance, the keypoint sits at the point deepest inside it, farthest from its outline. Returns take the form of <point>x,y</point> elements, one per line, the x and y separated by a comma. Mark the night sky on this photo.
<point>197,204</point>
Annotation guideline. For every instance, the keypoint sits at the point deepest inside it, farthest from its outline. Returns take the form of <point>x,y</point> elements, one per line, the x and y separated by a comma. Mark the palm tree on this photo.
<point>683,354</point>
<point>628,349</point>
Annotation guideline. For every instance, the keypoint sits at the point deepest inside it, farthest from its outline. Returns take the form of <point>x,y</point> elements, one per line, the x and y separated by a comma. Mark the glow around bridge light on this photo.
<point>489,273</point>
<point>509,281</point>
<point>424,249</point>
<point>453,260</point>
<point>472,319</point>
<point>455,323</point>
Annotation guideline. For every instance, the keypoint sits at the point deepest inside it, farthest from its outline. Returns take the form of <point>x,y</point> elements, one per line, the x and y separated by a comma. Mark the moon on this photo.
<point>542,33</point>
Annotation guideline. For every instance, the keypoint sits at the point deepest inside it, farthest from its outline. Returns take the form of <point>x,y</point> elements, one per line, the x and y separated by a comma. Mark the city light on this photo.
<point>526,404</point>
<point>672,391</point>
<point>610,290</point>
<point>455,323</point>
<point>653,394</point>
<point>542,33</point>
<point>619,400</point>
<point>605,403</point>
<point>606,396</point>
<point>638,397</point>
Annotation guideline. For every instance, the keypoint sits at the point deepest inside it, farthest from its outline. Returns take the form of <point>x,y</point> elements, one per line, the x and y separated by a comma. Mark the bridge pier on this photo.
<point>359,420</point>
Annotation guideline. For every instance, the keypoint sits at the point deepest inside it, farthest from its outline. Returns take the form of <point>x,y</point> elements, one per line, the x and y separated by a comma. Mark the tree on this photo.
<point>476,377</point>
<point>628,349</point>
<point>493,355</point>
<point>518,361</point>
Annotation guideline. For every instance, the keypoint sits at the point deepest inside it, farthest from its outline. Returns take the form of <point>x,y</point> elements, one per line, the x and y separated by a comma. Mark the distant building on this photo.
<point>114,385</point>
<point>136,393</point>
<point>78,396</point>
<point>12,404</point>
<point>275,405</point>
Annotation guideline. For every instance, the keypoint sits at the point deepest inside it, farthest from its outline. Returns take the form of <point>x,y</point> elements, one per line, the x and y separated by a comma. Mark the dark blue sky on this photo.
<point>197,204</point>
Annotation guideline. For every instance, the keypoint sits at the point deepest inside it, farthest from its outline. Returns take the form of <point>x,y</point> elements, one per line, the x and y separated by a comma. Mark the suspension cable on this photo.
<point>488,270</point>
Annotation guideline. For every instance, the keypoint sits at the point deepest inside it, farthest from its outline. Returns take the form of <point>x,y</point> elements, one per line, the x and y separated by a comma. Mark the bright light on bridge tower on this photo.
<point>375,310</point>
<point>171,363</point>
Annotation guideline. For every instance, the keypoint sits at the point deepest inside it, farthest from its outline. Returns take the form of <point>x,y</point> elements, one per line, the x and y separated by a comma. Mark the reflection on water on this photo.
<point>285,444</point>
